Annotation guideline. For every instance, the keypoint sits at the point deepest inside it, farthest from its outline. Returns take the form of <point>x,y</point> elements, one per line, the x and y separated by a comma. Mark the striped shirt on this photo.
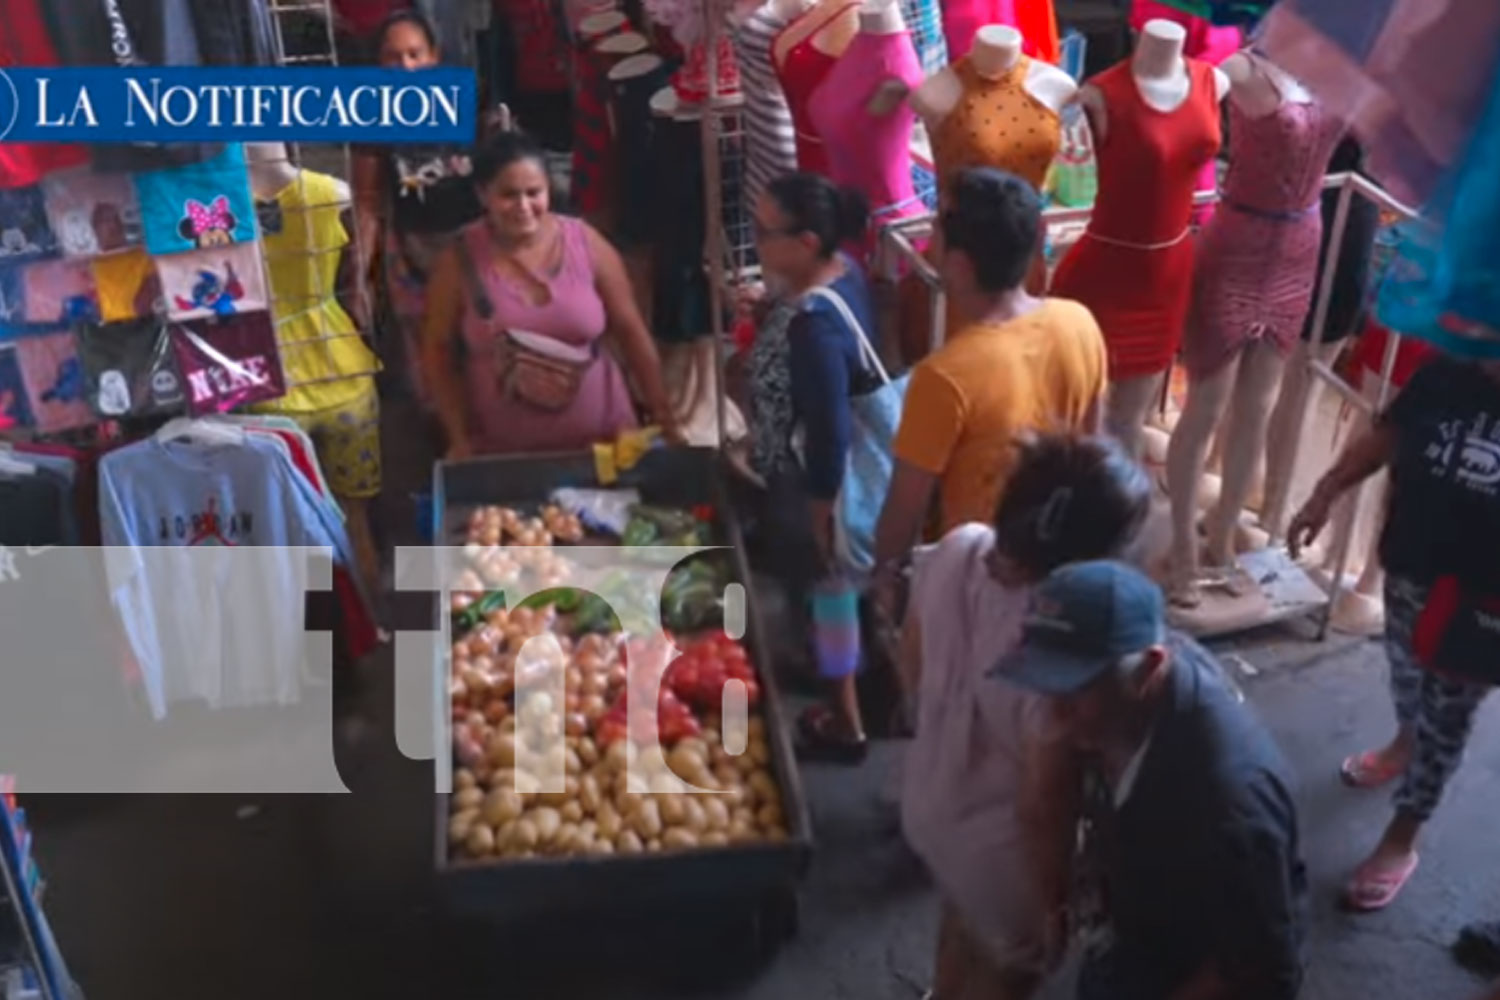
<point>771,149</point>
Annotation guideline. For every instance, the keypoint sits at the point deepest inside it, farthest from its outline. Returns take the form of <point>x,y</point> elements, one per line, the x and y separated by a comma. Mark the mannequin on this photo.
<point>1256,263</point>
<point>771,143</point>
<point>995,81</point>
<point>803,54</point>
<point>1155,121</point>
<point>861,114</point>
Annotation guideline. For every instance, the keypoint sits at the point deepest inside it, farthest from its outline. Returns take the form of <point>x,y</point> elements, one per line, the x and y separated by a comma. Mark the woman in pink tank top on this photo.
<point>517,343</point>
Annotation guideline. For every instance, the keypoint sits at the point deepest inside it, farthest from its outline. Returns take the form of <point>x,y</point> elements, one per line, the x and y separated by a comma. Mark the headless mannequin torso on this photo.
<point>1161,76</point>
<point>996,49</point>
<point>1247,385</point>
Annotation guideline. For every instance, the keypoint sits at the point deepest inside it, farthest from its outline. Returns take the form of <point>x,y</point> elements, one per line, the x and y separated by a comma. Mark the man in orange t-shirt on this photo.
<point>1016,363</point>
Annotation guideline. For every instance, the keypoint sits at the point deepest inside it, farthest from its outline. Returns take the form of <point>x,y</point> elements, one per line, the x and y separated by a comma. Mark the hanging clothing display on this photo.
<point>15,408</point>
<point>1410,76</point>
<point>24,232</point>
<point>199,205</point>
<point>59,293</point>
<point>1133,266</point>
<point>541,55</point>
<point>1024,142</point>
<point>322,352</point>
<point>634,138</point>
<point>228,363</point>
<point>1258,257</point>
<point>1351,277</point>
<point>38,506</point>
<point>221,281</point>
<point>12,296</point>
<point>127,286</point>
<point>770,139</point>
<point>870,151</point>
<point>1444,282</point>
<point>92,213</point>
<point>55,388</point>
<point>679,297</point>
<point>225,630</point>
<point>130,369</point>
<point>801,70</point>
<point>24,41</point>
<point>1034,19</point>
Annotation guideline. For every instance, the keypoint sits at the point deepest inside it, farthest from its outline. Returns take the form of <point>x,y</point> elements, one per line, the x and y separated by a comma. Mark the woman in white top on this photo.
<point>988,794</point>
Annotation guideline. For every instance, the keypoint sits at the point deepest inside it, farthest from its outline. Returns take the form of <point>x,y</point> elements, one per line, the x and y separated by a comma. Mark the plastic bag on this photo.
<point>599,510</point>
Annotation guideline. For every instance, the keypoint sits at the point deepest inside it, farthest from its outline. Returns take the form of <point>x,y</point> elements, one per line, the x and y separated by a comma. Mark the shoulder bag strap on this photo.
<point>865,347</point>
<point>483,307</point>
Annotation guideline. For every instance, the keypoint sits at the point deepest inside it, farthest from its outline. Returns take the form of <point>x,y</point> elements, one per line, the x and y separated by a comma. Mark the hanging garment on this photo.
<point>226,630</point>
<point>38,512</point>
<point>127,286</point>
<point>592,149</point>
<point>92,213</point>
<point>770,139</point>
<point>635,128</point>
<point>1258,257</point>
<point>24,232</point>
<point>1410,76</point>
<point>1443,284</point>
<point>1034,19</point>
<point>1351,276</point>
<point>200,205</point>
<point>996,123</point>
<point>679,297</point>
<point>130,369</point>
<point>1133,267</point>
<point>322,351</point>
<point>12,295</point>
<point>866,151</point>
<point>24,42</point>
<point>924,19</point>
<point>15,405</point>
<point>541,56</point>
<point>228,363</point>
<point>572,320</point>
<point>60,293</point>
<point>801,70</point>
<point>222,281</point>
<point>55,388</point>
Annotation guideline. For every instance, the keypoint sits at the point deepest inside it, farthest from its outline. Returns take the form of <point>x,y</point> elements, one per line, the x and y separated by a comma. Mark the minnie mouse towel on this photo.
<point>197,206</point>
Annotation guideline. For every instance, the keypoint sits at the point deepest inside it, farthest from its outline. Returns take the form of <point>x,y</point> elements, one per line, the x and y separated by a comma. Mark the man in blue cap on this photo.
<point>1191,826</point>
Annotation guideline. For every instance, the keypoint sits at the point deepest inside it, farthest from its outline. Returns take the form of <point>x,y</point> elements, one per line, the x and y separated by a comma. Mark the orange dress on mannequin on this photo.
<point>1133,267</point>
<point>996,123</point>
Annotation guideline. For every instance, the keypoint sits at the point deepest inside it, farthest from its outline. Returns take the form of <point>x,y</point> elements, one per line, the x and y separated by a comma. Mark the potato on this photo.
<point>666,783</point>
<point>694,817</point>
<point>745,763</point>
<point>728,776</point>
<point>467,798</point>
<point>647,818</point>
<point>501,806</point>
<point>481,841</point>
<point>609,820</point>
<point>742,816</point>
<point>688,755</point>
<point>714,838</point>
<point>759,751</point>
<point>566,839</point>
<point>764,787</point>
<point>571,812</point>
<point>588,751</point>
<point>587,829</point>
<point>525,836</point>
<point>463,778</point>
<point>677,838</point>
<point>617,756</point>
<point>715,812</point>
<point>756,728</point>
<point>671,808</point>
<point>588,794</point>
<point>742,833</point>
<point>653,845</point>
<point>572,762</point>
<point>459,825</point>
<point>769,817</point>
<point>711,739</point>
<point>600,846</point>
<point>776,833</point>
<point>501,750</point>
<point>547,821</point>
<point>628,842</point>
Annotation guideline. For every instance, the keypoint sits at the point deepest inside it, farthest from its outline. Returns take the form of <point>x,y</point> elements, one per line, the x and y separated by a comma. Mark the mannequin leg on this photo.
<point>1288,426</point>
<point>1361,611</point>
<point>1206,400</point>
<point>1259,376</point>
<point>1125,412</point>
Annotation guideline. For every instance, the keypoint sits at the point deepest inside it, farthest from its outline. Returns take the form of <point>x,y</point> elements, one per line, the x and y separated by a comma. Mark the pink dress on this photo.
<point>870,152</point>
<point>573,320</point>
<point>962,772</point>
<point>801,70</point>
<point>1258,258</point>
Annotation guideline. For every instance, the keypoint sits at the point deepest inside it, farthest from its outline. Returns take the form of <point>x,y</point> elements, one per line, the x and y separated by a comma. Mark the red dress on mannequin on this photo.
<point>1133,268</point>
<point>800,72</point>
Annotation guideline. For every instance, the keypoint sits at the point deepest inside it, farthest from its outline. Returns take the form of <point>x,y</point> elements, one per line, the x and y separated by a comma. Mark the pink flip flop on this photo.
<point>1368,770</point>
<point>1373,889</point>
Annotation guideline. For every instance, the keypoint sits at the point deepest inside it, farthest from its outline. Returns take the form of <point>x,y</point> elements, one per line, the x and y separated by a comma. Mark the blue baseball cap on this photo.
<point>1084,618</point>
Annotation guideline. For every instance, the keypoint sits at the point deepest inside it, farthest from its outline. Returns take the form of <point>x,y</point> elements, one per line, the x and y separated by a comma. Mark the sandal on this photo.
<point>817,740</point>
<point>1369,770</point>
<point>1373,888</point>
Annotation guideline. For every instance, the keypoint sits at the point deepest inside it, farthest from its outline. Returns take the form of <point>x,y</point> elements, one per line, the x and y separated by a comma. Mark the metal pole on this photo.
<point>713,207</point>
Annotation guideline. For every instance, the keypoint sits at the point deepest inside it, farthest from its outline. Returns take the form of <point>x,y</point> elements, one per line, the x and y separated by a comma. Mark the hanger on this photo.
<point>200,431</point>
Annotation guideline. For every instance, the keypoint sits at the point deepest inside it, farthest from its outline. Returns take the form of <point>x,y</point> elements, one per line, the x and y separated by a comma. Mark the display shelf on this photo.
<point>30,963</point>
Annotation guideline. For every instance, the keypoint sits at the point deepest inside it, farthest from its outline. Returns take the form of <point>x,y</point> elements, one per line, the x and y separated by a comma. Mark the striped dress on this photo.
<point>771,145</point>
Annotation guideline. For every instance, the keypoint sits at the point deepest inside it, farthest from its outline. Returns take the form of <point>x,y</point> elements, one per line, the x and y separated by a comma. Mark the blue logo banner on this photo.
<point>201,104</point>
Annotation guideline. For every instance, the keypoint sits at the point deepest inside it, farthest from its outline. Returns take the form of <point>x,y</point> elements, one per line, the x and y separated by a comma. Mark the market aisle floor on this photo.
<point>316,897</point>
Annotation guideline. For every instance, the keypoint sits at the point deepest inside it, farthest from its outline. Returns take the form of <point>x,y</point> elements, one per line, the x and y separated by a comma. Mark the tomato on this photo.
<point>609,730</point>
